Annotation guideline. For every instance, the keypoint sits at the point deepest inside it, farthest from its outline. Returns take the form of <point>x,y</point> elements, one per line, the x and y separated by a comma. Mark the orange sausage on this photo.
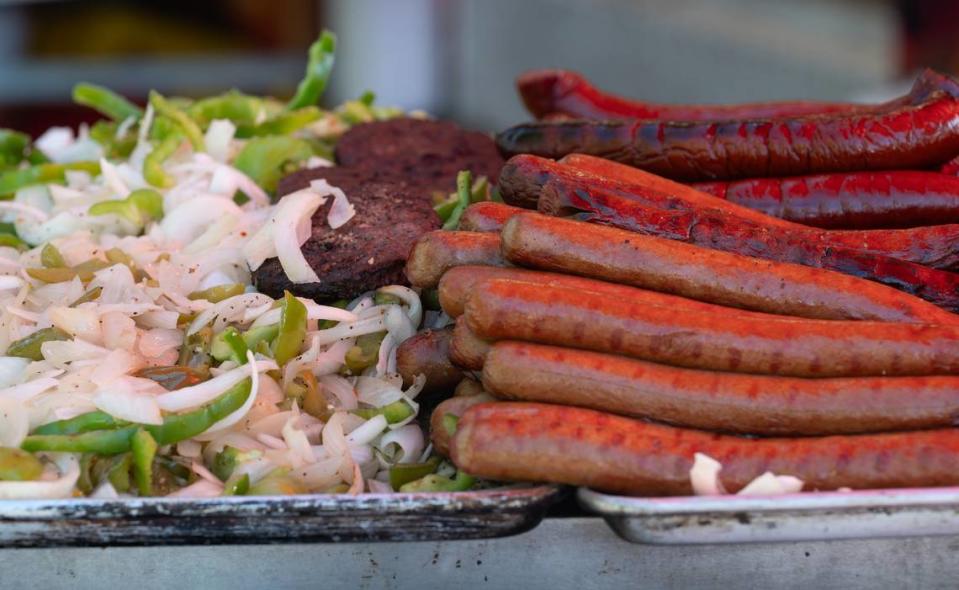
<point>436,252</point>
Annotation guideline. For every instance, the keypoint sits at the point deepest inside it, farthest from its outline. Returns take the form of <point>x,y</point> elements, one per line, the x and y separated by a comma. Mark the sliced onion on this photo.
<point>408,438</point>
<point>189,220</point>
<point>250,400</point>
<point>293,211</point>
<point>228,310</point>
<point>26,391</point>
<point>342,210</point>
<point>105,491</point>
<point>301,452</point>
<point>62,487</point>
<point>129,406</point>
<point>356,488</point>
<point>398,324</point>
<point>112,179</point>
<point>14,422</point>
<point>410,298</point>
<point>218,137</point>
<point>202,393</point>
<point>379,487</point>
<point>322,474</point>
<point>11,370</point>
<point>346,330</point>
<point>376,392</point>
<point>387,347</point>
<point>201,488</point>
<point>704,476</point>
<point>342,390</point>
<point>365,433</point>
<point>314,311</point>
<point>769,484</point>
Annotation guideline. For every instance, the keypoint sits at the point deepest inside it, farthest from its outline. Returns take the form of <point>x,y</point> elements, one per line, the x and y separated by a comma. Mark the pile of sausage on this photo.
<point>799,325</point>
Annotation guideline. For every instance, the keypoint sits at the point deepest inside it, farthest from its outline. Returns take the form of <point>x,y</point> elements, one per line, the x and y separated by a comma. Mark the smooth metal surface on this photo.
<point>793,517</point>
<point>560,554</point>
<point>254,519</point>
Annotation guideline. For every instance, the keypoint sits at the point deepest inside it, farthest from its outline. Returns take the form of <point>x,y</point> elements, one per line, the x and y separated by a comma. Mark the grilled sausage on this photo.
<point>486,216</point>
<point>467,351</point>
<point>512,441</point>
<point>725,402</point>
<point>427,353</point>
<point>436,252</point>
<point>719,340</point>
<point>439,434</point>
<point>707,275</point>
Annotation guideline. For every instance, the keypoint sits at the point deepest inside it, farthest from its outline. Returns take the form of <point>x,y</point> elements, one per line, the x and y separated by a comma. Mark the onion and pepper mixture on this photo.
<point>137,357</point>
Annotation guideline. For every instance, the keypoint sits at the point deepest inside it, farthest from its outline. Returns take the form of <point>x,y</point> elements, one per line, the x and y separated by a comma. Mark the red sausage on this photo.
<point>515,441</point>
<point>551,92</point>
<point>914,136</point>
<point>721,340</point>
<point>849,200</point>
<point>723,402</point>
<point>486,216</point>
<point>437,251</point>
<point>714,230</point>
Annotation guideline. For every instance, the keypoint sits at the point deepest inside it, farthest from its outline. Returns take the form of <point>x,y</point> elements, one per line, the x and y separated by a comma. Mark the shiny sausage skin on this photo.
<point>951,167</point>
<point>467,351</point>
<point>523,176</point>
<point>723,402</point>
<point>936,246</point>
<point>849,200</point>
<point>709,275</point>
<point>427,353</point>
<point>436,252</point>
<point>914,136</point>
<point>714,230</point>
<point>719,340</point>
<point>455,406</point>
<point>547,92</point>
<point>467,387</point>
<point>513,441</point>
<point>486,216</point>
<point>457,284</point>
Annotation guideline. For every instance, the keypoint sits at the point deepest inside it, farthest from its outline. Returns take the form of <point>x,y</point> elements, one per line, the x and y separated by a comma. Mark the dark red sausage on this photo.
<point>551,92</point>
<point>849,200</point>
<point>486,216</point>
<point>913,136</point>
<point>714,230</point>
<point>515,441</point>
<point>721,402</point>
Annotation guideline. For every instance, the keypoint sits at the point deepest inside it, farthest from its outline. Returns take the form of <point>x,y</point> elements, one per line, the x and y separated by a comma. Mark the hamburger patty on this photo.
<point>389,171</point>
<point>369,251</point>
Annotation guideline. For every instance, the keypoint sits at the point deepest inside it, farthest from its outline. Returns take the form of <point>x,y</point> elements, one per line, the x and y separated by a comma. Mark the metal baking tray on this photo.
<point>489,513</point>
<point>812,516</point>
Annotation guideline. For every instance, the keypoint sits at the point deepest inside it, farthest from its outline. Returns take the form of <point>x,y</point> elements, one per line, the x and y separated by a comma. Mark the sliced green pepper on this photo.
<point>394,412</point>
<point>218,293</point>
<point>278,482</point>
<point>403,473</point>
<point>13,147</point>
<point>140,206</point>
<point>83,423</point>
<point>19,465</point>
<point>14,180</point>
<point>144,449</point>
<point>153,170</point>
<point>264,159</point>
<point>237,486</point>
<point>50,257</point>
<point>175,428</point>
<point>438,483</point>
<point>241,109</point>
<point>29,347</point>
<point>105,133</point>
<point>229,345</point>
<point>463,184</point>
<point>187,126</point>
<point>364,353</point>
<point>318,70</point>
<point>260,334</point>
<point>287,122</point>
<point>292,332</point>
<point>106,102</point>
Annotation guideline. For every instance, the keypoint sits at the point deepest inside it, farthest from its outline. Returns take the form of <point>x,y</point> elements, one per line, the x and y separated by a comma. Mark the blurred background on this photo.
<point>458,58</point>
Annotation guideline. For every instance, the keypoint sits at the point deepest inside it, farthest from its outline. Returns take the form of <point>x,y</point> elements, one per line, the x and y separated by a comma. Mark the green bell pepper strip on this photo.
<point>218,293</point>
<point>105,133</point>
<point>438,483</point>
<point>188,126</point>
<point>394,412</point>
<point>50,257</point>
<point>260,334</point>
<point>237,486</point>
<point>287,122</point>
<point>144,449</point>
<point>83,423</point>
<point>229,345</point>
<point>153,170</point>
<point>264,159</point>
<point>241,109</point>
<point>13,147</point>
<point>318,70</point>
<point>19,465</point>
<point>292,332</point>
<point>105,101</point>
<point>464,180</point>
<point>140,206</point>
<point>403,473</point>
<point>14,180</point>
<point>175,428</point>
<point>12,241</point>
<point>29,347</point>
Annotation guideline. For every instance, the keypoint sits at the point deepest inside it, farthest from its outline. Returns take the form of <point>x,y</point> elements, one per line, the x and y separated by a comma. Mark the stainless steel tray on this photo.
<point>310,518</point>
<point>793,517</point>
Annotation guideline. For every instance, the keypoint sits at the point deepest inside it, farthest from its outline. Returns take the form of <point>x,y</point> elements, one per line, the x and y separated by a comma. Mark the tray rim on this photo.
<point>639,506</point>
